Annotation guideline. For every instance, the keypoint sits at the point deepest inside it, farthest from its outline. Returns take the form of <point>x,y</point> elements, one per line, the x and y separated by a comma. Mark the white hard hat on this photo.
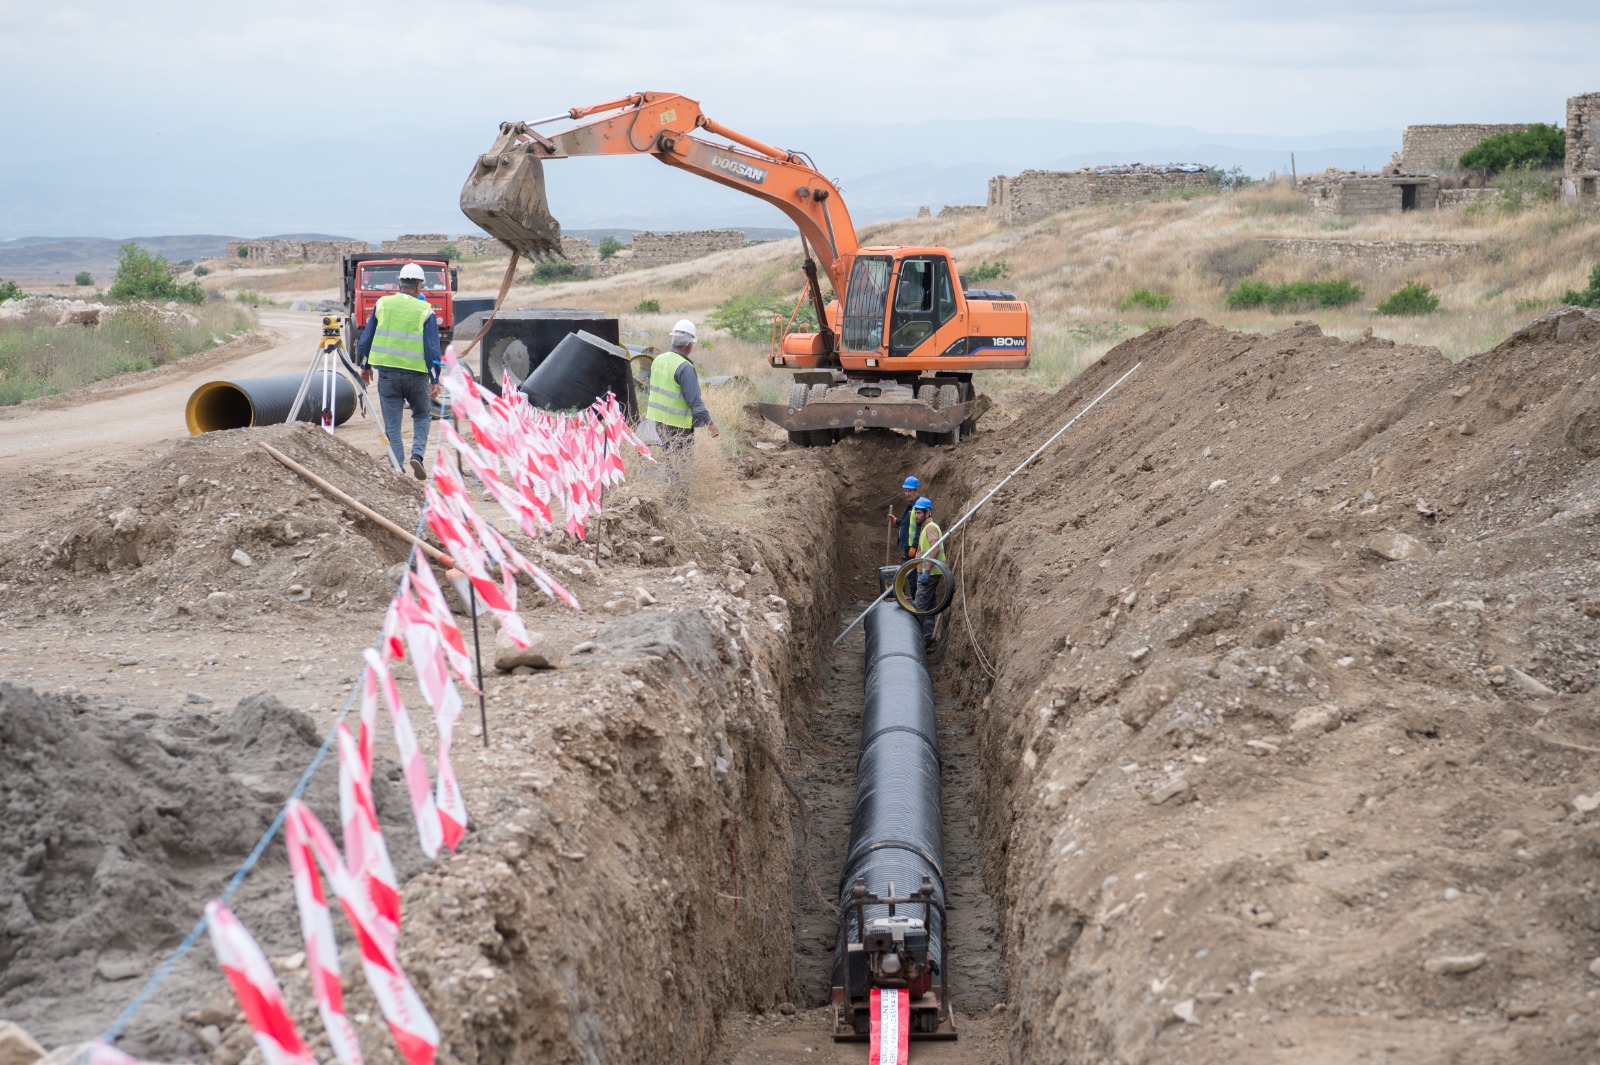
<point>412,272</point>
<point>685,327</point>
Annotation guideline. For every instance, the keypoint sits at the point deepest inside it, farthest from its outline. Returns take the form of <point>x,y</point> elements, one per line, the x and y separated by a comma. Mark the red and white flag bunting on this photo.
<point>322,951</point>
<point>256,988</point>
<point>366,852</point>
<point>429,833</point>
<point>413,1027</point>
<point>439,692</point>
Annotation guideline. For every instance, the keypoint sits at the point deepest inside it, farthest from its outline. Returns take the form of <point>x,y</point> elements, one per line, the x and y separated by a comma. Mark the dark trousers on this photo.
<point>398,389</point>
<point>928,586</point>
<point>676,446</point>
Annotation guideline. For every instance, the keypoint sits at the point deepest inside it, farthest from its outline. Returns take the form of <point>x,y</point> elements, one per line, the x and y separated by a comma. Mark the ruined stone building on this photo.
<point>1038,193</point>
<point>1432,149</point>
<point>656,249</point>
<point>280,252</point>
<point>1579,182</point>
<point>1338,192</point>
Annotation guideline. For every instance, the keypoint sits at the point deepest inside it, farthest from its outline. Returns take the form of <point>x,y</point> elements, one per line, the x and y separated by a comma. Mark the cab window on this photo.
<point>924,300</point>
<point>865,303</point>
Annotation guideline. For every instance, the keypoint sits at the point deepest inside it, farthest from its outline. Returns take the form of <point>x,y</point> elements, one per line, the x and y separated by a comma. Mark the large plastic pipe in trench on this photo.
<point>263,401</point>
<point>897,830</point>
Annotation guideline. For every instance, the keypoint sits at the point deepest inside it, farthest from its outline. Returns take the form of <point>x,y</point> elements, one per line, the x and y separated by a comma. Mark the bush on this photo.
<point>254,299</point>
<point>749,318</point>
<point>1539,145</point>
<point>10,290</point>
<point>1153,301</point>
<point>550,271</point>
<point>202,270</point>
<point>1589,297</point>
<point>83,279</point>
<point>609,246</point>
<point>648,307</point>
<point>987,271</point>
<point>1531,304</point>
<point>449,251</point>
<point>1233,177</point>
<point>1411,298</point>
<point>244,251</point>
<point>142,276</point>
<point>1292,296</point>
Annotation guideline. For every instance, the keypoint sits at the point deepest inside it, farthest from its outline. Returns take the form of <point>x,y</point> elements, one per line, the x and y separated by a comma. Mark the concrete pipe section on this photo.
<point>263,401</point>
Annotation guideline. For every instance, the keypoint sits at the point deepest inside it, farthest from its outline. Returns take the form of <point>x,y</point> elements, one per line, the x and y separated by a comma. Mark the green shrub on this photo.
<point>1539,145</point>
<point>244,251</point>
<point>10,290</point>
<point>83,279</point>
<point>1233,177</point>
<point>142,276</point>
<point>648,307</point>
<point>1152,301</point>
<point>749,318</point>
<point>449,251</point>
<point>1531,304</point>
<point>987,271</point>
<point>1589,297</point>
<point>550,271</point>
<point>254,299</point>
<point>202,270</point>
<point>1292,296</point>
<point>609,246</point>
<point>1410,299</point>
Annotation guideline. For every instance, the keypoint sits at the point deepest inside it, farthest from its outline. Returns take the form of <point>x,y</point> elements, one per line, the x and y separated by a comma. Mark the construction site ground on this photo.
<point>1267,710</point>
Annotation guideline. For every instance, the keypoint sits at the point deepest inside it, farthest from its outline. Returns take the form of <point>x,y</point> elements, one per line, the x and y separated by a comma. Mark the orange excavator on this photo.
<point>897,345</point>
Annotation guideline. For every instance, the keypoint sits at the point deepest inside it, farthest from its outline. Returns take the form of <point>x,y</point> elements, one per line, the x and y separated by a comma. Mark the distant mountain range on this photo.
<point>315,183</point>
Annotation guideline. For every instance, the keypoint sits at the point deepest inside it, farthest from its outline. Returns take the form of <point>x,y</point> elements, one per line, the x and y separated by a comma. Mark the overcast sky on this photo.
<point>282,96</point>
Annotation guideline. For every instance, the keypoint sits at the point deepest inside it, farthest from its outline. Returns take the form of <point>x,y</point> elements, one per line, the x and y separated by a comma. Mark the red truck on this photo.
<point>370,276</point>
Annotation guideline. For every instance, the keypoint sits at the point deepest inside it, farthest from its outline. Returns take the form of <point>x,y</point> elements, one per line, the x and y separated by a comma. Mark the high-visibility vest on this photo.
<point>397,340</point>
<point>667,404</point>
<point>929,536</point>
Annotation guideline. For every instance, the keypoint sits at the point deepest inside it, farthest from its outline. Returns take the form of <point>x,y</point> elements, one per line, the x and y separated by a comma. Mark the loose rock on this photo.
<point>1397,547</point>
<point>539,654</point>
<point>1454,964</point>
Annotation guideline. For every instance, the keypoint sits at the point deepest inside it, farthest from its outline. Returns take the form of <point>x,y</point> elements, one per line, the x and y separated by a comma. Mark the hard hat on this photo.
<point>911,482</point>
<point>412,272</point>
<point>922,503</point>
<point>685,327</point>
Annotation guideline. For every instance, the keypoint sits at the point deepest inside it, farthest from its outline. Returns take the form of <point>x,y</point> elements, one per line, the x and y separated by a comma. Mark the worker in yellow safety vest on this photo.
<point>401,338</point>
<point>928,578</point>
<point>676,405</point>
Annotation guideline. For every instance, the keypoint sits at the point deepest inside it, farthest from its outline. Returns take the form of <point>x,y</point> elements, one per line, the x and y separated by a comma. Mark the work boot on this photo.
<point>416,469</point>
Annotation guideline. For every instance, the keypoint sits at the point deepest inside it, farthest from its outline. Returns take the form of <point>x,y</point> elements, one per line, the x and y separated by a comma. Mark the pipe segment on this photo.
<point>897,830</point>
<point>251,401</point>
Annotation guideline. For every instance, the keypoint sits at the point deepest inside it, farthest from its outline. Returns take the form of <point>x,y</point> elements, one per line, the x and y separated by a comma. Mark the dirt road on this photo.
<point>60,452</point>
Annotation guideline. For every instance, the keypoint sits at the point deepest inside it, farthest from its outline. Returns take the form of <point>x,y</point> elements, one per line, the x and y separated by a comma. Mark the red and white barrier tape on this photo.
<point>256,988</point>
<point>891,1027</point>
<point>322,951</point>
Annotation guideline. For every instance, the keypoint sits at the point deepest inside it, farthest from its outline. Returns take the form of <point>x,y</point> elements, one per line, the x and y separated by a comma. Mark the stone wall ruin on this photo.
<point>1036,194</point>
<point>1581,182</point>
<point>1337,192</point>
<point>282,252</point>
<point>1430,149</point>
<point>657,249</point>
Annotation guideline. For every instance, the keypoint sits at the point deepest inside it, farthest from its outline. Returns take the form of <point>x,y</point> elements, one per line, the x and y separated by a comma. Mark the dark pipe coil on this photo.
<point>253,401</point>
<point>897,830</point>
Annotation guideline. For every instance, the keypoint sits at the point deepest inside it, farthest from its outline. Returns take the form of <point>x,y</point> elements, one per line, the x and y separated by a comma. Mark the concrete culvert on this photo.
<point>255,401</point>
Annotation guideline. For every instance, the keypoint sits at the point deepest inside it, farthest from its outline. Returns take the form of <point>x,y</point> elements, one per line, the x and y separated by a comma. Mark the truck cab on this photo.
<point>369,277</point>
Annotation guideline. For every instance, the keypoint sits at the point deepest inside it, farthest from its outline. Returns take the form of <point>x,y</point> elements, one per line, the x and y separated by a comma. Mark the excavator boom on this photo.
<point>505,193</point>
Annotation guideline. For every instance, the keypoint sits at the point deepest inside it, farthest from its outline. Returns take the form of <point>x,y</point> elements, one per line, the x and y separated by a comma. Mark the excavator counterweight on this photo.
<point>897,344</point>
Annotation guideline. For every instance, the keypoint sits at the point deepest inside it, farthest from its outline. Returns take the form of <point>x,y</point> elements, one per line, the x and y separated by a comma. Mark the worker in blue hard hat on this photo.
<point>928,577</point>
<point>905,527</point>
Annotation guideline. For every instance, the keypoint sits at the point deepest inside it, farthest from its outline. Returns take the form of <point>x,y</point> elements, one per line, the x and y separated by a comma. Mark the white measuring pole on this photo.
<point>979,504</point>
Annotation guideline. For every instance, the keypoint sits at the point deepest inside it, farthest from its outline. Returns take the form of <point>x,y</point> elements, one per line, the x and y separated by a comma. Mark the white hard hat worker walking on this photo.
<point>676,405</point>
<point>401,338</point>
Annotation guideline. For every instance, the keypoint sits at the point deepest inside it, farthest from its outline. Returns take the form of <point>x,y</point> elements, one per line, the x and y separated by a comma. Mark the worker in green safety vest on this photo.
<point>401,339</point>
<point>928,577</point>
<point>676,405</point>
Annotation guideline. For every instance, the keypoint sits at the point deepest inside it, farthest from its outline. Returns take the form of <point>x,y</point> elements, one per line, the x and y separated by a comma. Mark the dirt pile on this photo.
<point>1285,700</point>
<point>114,829</point>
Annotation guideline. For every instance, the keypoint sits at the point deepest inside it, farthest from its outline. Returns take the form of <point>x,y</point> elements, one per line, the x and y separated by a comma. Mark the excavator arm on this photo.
<point>505,195</point>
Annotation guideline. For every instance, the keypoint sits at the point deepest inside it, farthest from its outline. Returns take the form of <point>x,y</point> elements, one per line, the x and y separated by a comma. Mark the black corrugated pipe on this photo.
<point>263,401</point>
<point>897,831</point>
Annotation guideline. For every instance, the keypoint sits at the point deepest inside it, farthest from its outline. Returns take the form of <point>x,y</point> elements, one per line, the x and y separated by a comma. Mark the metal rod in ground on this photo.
<point>477,654</point>
<point>932,548</point>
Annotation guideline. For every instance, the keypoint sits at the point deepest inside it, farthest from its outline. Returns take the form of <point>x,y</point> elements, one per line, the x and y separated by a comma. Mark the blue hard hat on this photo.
<point>922,503</point>
<point>911,482</point>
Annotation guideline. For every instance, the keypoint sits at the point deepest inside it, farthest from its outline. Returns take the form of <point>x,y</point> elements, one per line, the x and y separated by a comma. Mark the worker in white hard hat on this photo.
<point>401,338</point>
<point>676,405</point>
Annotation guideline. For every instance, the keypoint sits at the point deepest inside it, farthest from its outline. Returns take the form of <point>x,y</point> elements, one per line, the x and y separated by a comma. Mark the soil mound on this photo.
<point>168,535</point>
<point>1283,701</point>
<point>115,827</point>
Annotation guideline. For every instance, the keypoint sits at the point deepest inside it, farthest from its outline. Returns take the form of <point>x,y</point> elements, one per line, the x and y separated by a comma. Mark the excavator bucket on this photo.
<point>505,196</point>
